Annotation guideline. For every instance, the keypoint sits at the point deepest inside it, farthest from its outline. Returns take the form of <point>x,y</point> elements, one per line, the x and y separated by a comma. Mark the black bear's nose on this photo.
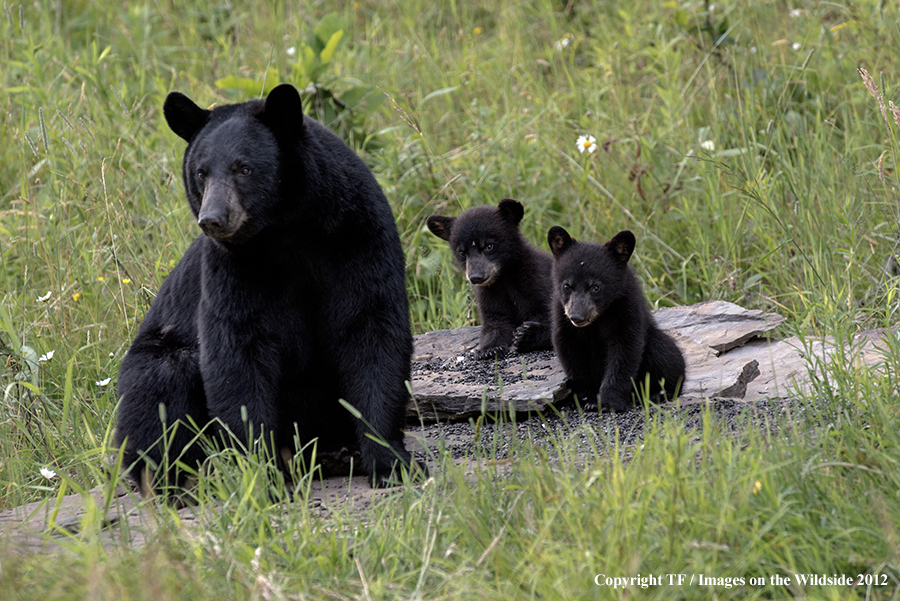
<point>477,278</point>
<point>211,223</point>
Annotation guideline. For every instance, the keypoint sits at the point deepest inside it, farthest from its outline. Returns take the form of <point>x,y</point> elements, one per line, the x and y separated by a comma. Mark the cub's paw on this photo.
<point>530,336</point>
<point>618,406</point>
<point>586,400</point>
<point>492,352</point>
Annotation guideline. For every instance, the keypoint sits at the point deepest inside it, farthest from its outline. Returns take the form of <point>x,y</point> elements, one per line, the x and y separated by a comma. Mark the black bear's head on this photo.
<point>587,277</point>
<point>483,239</point>
<point>233,162</point>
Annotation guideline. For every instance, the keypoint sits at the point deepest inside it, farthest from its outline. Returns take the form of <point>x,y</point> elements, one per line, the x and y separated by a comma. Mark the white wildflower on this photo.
<point>103,382</point>
<point>45,297</point>
<point>47,356</point>
<point>708,145</point>
<point>795,46</point>
<point>47,473</point>
<point>586,143</point>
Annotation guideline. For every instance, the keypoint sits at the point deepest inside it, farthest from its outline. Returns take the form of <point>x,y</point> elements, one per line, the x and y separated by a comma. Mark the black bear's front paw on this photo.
<point>499,351</point>
<point>615,403</point>
<point>587,401</point>
<point>529,336</point>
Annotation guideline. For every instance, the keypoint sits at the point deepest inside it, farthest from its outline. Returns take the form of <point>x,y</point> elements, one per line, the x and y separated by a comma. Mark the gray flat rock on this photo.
<point>448,383</point>
<point>719,325</point>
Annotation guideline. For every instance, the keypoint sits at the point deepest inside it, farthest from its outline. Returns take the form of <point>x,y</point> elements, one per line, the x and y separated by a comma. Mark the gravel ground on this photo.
<point>591,430</point>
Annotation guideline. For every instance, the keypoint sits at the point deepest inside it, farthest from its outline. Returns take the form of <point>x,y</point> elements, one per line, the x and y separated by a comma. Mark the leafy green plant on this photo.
<point>345,113</point>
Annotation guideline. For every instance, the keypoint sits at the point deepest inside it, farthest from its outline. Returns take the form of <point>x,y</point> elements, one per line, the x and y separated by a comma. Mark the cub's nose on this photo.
<point>477,278</point>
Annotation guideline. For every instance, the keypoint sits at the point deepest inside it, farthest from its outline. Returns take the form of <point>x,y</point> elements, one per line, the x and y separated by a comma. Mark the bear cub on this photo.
<point>292,298</point>
<point>511,277</point>
<point>603,332</point>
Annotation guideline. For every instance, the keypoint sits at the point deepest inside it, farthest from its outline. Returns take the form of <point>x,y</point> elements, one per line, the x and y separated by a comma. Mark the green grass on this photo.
<point>790,212</point>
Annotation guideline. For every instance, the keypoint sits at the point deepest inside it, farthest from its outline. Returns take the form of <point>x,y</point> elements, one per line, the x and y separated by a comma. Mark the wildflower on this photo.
<point>586,143</point>
<point>46,356</point>
<point>100,278</point>
<point>477,31</point>
<point>47,473</point>
<point>291,51</point>
<point>708,145</point>
<point>126,280</point>
<point>76,296</point>
<point>103,382</point>
<point>796,12</point>
<point>752,49</point>
<point>563,43</point>
<point>757,486</point>
<point>795,46</point>
<point>45,297</point>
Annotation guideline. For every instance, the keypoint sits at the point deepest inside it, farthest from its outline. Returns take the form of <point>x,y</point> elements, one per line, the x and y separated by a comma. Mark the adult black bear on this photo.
<point>511,277</point>
<point>293,298</point>
<point>603,332</point>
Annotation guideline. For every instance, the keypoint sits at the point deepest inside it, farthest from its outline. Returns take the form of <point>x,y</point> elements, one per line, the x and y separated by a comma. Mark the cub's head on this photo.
<point>232,164</point>
<point>588,277</point>
<point>483,239</point>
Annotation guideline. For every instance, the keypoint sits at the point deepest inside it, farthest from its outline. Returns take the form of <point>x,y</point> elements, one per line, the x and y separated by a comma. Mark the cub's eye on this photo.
<point>245,171</point>
<point>595,288</point>
<point>201,174</point>
<point>567,288</point>
<point>488,247</point>
<point>461,253</point>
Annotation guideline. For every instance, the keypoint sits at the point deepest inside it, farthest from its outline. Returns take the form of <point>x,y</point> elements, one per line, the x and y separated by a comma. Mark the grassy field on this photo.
<point>736,139</point>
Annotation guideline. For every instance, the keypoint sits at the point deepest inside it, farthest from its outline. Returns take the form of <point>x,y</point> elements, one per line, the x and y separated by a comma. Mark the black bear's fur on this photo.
<point>511,277</point>
<point>293,298</point>
<point>603,332</point>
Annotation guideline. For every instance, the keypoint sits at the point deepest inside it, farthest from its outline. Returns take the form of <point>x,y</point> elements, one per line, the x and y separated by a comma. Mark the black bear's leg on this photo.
<point>373,369</point>
<point>623,361</point>
<point>532,336</point>
<point>584,368</point>
<point>155,372</point>
<point>496,334</point>
<point>241,380</point>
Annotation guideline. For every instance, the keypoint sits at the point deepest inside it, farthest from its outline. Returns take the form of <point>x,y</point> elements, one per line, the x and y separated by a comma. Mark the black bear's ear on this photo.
<point>559,240</point>
<point>183,116</point>
<point>622,245</point>
<point>511,210</point>
<point>441,226</point>
<point>283,112</point>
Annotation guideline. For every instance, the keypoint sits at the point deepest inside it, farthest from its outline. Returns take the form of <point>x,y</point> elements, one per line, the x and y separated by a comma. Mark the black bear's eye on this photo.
<point>595,288</point>
<point>462,253</point>
<point>567,288</point>
<point>245,171</point>
<point>201,174</point>
<point>488,247</point>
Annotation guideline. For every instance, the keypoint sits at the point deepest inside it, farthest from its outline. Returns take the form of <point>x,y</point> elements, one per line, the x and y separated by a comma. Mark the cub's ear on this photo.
<point>183,116</point>
<point>283,112</point>
<point>441,226</point>
<point>622,245</point>
<point>511,210</point>
<point>559,240</point>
